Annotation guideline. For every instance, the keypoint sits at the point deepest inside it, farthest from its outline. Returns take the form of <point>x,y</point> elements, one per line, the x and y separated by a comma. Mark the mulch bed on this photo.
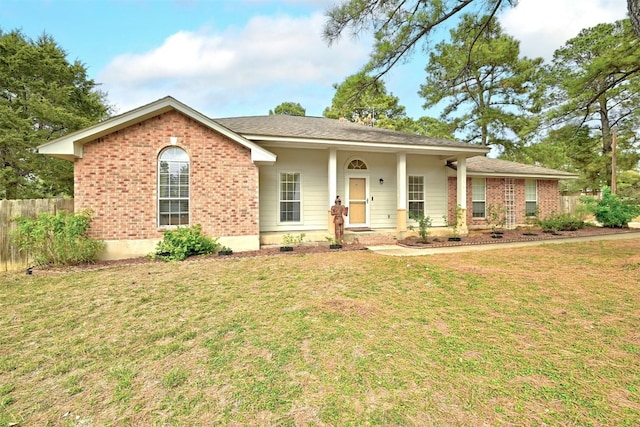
<point>511,236</point>
<point>474,238</point>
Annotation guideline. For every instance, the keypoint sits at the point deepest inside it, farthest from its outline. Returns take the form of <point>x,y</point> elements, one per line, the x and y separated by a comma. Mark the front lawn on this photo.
<point>534,336</point>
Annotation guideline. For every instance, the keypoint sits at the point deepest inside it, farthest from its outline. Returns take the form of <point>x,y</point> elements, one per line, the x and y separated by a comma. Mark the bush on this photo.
<point>59,239</point>
<point>561,222</point>
<point>611,210</point>
<point>183,242</point>
<point>292,240</point>
<point>424,223</point>
<point>496,217</point>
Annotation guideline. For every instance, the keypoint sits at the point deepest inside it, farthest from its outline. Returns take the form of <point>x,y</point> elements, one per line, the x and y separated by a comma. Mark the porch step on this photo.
<point>366,237</point>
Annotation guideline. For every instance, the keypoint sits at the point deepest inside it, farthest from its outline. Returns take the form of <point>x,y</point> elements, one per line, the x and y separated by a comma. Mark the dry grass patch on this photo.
<point>536,336</point>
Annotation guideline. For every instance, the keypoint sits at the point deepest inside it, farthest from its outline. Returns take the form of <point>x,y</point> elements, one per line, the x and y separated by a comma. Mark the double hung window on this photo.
<point>531,197</point>
<point>416,196</point>
<point>479,197</point>
<point>289,195</point>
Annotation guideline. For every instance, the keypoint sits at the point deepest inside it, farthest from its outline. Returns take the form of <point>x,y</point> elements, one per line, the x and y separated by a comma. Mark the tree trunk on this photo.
<point>634,14</point>
<point>606,138</point>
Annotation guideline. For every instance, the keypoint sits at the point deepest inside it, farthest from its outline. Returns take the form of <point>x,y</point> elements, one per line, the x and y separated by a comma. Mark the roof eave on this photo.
<point>519,175</point>
<point>323,143</point>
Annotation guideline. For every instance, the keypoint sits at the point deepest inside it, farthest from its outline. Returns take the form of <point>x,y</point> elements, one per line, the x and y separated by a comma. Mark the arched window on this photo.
<point>357,164</point>
<point>173,187</point>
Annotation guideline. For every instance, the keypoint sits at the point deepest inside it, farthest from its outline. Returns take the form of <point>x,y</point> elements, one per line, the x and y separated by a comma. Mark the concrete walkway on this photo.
<point>395,250</point>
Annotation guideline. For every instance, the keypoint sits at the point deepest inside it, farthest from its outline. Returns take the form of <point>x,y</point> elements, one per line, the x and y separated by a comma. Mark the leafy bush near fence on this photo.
<point>184,242</point>
<point>561,222</point>
<point>59,239</point>
<point>611,210</point>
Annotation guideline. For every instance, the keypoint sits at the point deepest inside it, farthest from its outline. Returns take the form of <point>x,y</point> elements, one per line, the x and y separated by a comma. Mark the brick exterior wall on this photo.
<point>548,198</point>
<point>117,179</point>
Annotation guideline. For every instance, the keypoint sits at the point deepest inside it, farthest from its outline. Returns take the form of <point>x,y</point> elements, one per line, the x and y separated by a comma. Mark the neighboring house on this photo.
<point>250,180</point>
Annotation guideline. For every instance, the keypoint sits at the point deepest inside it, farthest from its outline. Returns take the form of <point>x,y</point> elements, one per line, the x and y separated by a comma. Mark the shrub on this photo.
<point>183,242</point>
<point>496,216</point>
<point>292,239</point>
<point>424,223</point>
<point>59,239</point>
<point>561,222</point>
<point>611,210</point>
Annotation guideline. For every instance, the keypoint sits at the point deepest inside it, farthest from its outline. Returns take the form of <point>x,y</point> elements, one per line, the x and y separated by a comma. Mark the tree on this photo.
<point>596,84</point>
<point>489,92</point>
<point>288,109</point>
<point>42,97</point>
<point>569,148</point>
<point>399,26</point>
<point>360,99</point>
<point>629,184</point>
<point>425,126</point>
<point>634,14</point>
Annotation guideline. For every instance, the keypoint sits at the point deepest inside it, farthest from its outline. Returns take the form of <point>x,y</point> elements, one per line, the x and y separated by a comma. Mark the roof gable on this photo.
<point>71,146</point>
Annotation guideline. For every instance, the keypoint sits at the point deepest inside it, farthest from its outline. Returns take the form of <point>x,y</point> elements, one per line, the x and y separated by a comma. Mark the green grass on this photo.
<point>536,336</point>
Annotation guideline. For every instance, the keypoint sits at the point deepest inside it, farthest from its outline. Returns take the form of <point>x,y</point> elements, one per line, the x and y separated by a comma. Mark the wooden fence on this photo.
<point>568,204</point>
<point>10,257</point>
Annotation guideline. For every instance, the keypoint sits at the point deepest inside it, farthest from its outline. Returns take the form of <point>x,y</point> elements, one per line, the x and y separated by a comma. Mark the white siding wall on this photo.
<point>435,183</point>
<point>312,165</point>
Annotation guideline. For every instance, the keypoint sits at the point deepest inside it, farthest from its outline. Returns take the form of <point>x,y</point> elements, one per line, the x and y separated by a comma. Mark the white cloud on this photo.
<point>542,26</point>
<point>266,62</point>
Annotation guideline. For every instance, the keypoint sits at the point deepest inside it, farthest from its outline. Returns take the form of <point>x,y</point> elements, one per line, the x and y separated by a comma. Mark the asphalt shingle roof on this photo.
<point>487,165</point>
<point>327,129</point>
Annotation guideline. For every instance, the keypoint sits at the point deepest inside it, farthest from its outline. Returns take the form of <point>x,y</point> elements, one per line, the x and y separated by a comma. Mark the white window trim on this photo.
<point>424,196</point>
<point>484,200</point>
<point>279,201</point>
<point>159,199</point>
<point>535,182</point>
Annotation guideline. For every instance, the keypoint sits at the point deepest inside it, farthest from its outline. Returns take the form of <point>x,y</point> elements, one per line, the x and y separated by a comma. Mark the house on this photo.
<point>250,180</point>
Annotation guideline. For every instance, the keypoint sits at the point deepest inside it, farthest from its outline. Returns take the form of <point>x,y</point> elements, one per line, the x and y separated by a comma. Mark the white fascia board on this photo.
<point>518,175</point>
<point>287,142</point>
<point>70,146</point>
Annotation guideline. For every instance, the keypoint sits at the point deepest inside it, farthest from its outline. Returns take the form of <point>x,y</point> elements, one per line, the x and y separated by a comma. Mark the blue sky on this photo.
<point>244,57</point>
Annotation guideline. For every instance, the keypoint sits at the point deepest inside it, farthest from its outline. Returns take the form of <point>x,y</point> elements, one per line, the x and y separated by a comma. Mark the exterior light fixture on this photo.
<point>381,181</point>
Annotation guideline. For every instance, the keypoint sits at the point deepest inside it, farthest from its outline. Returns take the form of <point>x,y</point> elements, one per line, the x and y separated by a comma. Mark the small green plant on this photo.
<point>59,239</point>
<point>424,223</point>
<point>225,250</point>
<point>496,217</point>
<point>458,218</point>
<point>611,210</point>
<point>560,222</point>
<point>331,240</point>
<point>292,240</point>
<point>530,222</point>
<point>183,242</point>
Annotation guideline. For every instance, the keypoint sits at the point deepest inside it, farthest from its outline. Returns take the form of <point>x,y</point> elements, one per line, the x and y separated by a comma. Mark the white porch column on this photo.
<point>461,195</point>
<point>332,186</point>
<point>401,191</point>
